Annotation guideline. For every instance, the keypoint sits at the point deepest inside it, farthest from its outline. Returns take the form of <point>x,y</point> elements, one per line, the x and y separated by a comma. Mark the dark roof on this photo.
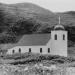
<point>59,27</point>
<point>34,39</point>
<point>30,40</point>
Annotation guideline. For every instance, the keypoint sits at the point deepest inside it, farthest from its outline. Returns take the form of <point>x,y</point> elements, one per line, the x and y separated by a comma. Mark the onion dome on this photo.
<point>59,26</point>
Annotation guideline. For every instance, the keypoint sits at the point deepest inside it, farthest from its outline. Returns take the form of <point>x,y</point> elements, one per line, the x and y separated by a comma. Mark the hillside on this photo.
<point>19,19</point>
<point>24,18</point>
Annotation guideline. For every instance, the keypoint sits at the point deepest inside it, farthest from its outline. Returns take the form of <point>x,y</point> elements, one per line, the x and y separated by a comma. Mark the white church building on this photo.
<point>54,43</point>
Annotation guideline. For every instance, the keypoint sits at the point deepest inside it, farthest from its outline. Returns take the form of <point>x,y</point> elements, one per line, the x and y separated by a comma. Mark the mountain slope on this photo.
<point>19,19</point>
<point>23,18</point>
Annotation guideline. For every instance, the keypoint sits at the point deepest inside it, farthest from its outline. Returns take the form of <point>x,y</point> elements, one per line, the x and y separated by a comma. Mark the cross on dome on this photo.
<point>59,26</point>
<point>59,20</point>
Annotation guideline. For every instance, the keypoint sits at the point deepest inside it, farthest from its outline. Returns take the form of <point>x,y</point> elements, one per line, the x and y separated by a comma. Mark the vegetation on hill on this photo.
<point>19,19</point>
<point>27,58</point>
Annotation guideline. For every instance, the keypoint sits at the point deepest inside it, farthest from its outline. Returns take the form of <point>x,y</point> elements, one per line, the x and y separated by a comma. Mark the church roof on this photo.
<point>59,27</point>
<point>30,40</point>
<point>34,39</point>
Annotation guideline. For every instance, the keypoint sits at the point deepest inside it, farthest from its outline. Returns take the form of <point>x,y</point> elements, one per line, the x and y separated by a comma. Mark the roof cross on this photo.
<point>59,20</point>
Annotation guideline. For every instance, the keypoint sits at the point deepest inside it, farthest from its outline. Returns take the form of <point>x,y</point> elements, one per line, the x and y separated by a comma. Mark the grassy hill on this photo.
<point>19,19</point>
<point>23,18</point>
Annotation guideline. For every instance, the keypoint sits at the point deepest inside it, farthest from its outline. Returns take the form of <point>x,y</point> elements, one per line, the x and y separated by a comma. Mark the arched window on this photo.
<point>48,50</point>
<point>55,37</point>
<point>63,37</point>
<point>40,50</point>
<point>13,51</point>
<point>29,50</point>
<point>19,50</point>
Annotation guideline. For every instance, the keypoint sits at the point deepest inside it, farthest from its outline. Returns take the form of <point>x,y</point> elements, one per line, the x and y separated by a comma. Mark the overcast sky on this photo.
<point>53,5</point>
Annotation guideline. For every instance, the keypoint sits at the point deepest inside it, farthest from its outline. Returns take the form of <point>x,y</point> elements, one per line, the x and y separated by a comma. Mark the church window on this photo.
<point>13,51</point>
<point>55,37</point>
<point>40,50</point>
<point>48,50</point>
<point>29,49</point>
<point>19,50</point>
<point>63,37</point>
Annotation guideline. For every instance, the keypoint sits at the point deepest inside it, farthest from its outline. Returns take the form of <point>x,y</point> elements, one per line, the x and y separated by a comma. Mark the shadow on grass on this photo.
<point>28,58</point>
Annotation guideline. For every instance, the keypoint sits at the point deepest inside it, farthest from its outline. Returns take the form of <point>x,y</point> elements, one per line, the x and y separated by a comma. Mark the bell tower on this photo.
<point>59,40</point>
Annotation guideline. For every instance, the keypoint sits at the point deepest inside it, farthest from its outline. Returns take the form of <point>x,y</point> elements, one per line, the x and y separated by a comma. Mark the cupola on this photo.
<point>59,26</point>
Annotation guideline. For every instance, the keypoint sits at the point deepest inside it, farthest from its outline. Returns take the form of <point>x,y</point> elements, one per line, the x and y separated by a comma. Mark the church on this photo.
<point>54,43</point>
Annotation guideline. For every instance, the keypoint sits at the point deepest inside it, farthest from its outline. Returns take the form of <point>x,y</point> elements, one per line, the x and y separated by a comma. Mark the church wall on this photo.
<point>34,49</point>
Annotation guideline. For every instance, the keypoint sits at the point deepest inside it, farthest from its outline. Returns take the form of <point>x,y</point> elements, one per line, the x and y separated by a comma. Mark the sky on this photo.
<point>52,5</point>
